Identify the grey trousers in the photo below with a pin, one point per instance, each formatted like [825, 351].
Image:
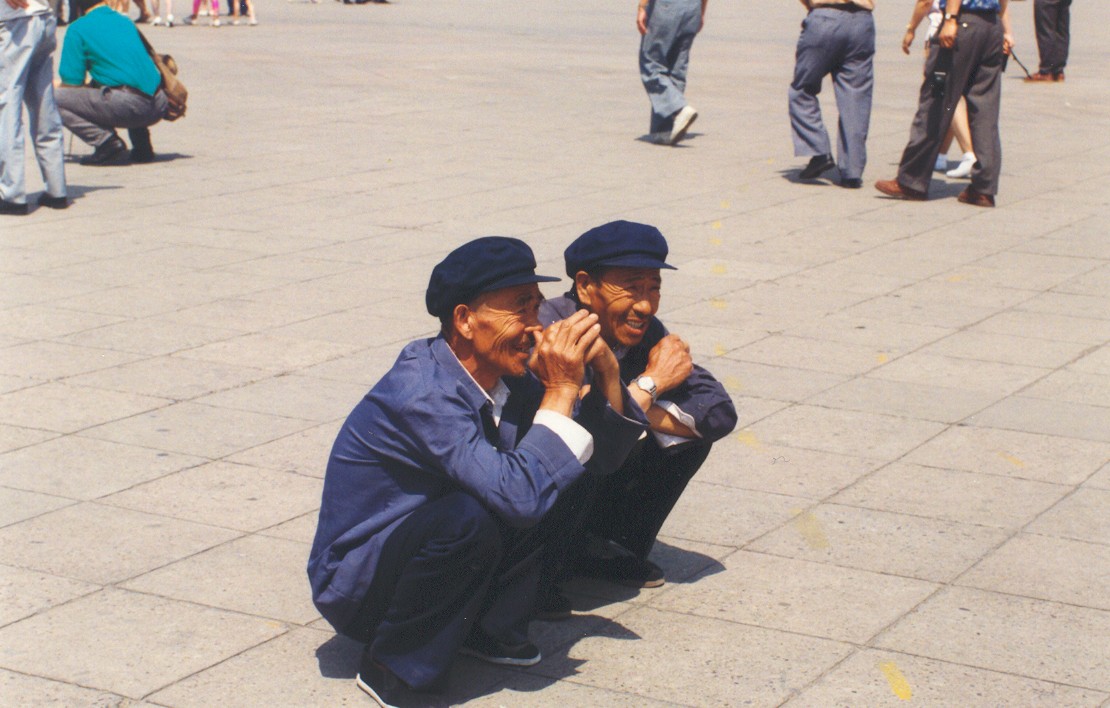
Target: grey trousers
[665, 56]
[27, 79]
[1052, 19]
[840, 43]
[93, 114]
[976, 74]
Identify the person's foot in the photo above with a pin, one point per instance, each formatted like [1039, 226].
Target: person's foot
[818, 165]
[974, 198]
[112, 151]
[623, 570]
[851, 182]
[963, 170]
[682, 122]
[554, 606]
[142, 151]
[382, 685]
[1044, 77]
[487, 648]
[157, 21]
[53, 202]
[169, 20]
[892, 188]
[941, 165]
[13, 209]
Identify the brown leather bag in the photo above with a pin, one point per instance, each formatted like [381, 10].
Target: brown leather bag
[176, 93]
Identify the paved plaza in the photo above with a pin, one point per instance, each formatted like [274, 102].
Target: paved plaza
[914, 509]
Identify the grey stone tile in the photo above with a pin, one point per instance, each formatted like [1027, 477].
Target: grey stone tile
[101, 544]
[172, 377]
[47, 322]
[1046, 326]
[23, 690]
[24, 592]
[266, 351]
[13, 437]
[798, 596]
[1032, 638]
[1014, 454]
[1082, 516]
[66, 409]
[1007, 349]
[1060, 418]
[17, 505]
[745, 463]
[1048, 568]
[775, 382]
[1072, 387]
[1101, 479]
[151, 336]
[268, 579]
[951, 495]
[808, 354]
[885, 678]
[224, 494]
[128, 643]
[895, 544]
[968, 374]
[302, 528]
[672, 657]
[910, 400]
[49, 360]
[84, 468]
[305, 452]
[844, 432]
[291, 396]
[193, 429]
[728, 516]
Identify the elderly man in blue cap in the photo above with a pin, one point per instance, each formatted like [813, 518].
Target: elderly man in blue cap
[616, 271]
[446, 480]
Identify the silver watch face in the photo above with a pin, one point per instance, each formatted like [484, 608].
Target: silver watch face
[647, 384]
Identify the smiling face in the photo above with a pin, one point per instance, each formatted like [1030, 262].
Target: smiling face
[498, 327]
[624, 300]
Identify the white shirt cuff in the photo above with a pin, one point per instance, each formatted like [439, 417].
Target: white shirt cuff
[666, 440]
[577, 438]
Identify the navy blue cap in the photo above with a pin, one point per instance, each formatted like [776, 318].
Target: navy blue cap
[618, 243]
[479, 266]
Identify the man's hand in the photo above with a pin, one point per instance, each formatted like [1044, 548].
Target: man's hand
[607, 374]
[559, 358]
[669, 363]
[641, 19]
[18, 4]
[907, 40]
[1007, 43]
[948, 33]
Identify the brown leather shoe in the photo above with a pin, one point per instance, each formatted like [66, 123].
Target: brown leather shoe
[1043, 77]
[970, 196]
[892, 188]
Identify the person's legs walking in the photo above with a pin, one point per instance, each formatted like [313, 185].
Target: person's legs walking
[16, 50]
[983, 97]
[45, 121]
[853, 81]
[813, 59]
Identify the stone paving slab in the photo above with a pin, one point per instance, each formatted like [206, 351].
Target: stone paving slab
[914, 506]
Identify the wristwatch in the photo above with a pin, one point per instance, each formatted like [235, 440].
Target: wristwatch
[647, 385]
[950, 16]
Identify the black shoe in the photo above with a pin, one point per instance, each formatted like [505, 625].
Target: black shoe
[112, 151]
[487, 648]
[851, 183]
[818, 165]
[623, 570]
[53, 202]
[383, 686]
[13, 209]
[554, 606]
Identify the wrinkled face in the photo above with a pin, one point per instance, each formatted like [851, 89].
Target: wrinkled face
[501, 323]
[624, 300]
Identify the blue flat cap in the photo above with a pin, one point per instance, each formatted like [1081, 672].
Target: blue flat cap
[479, 266]
[618, 243]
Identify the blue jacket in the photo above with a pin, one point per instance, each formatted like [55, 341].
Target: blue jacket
[700, 395]
[419, 434]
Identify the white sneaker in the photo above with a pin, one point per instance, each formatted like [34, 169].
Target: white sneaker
[682, 123]
[216, 22]
[156, 22]
[169, 20]
[941, 165]
[253, 22]
[963, 170]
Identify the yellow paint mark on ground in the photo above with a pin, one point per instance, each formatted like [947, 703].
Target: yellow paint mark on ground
[1015, 461]
[898, 683]
[733, 384]
[725, 204]
[748, 438]
[715, 225]
[958, 278]
[811, 530]
[718, 303]
[882, 358]
[719, 350]
[716, 241]
[719, 269]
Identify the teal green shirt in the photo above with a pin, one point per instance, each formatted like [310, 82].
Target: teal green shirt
[106, 45]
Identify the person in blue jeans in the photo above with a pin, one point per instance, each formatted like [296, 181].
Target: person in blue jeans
[668, 28]
[27, 46]
[838, 39]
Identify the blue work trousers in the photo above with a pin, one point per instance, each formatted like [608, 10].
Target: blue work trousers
[665, 56]
[840, 43]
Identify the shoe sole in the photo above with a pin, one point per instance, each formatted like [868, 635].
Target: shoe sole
[501, 660]
[371, 692]
[681, 132]
[901, 195]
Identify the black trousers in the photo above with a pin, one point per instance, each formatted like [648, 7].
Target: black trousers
[1052, 19]
[975, 74]
[631, 505]
[450, 564]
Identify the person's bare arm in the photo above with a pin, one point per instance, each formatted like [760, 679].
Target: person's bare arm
[1007, 28]
[920, 9]
[18, 4]
[949, 27]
